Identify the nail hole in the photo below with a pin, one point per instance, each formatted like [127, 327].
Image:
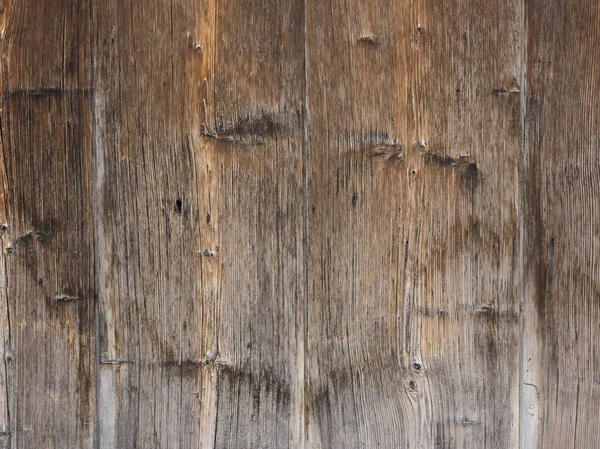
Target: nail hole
[178, 207]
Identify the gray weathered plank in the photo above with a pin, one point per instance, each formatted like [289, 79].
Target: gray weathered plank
[561, 392]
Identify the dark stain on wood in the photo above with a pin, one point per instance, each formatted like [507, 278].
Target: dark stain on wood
[28, 239]
[391, 152]
[267, 379]
[253, 127]
[370, 40]
[44, 91]
[464, 166]
[444, 160]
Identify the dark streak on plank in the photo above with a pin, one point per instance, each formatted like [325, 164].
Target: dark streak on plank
[43, 91]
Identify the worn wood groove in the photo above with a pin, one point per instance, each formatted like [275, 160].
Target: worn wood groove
[299, 224]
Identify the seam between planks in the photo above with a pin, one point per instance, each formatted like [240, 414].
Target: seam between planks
[305, 245]
[96, 184]
[521, 193]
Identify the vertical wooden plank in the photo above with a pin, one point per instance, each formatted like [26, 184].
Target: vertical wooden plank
[415, 129]
[562, 204]
[255, 128]
[46, 209]
[357, 86]
[156, 277]
[467, 85]
[199, 196]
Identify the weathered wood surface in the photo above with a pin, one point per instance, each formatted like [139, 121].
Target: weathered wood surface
[561, 315]
[153, 321]
[413, 230]
[199, 193]
[47, 226]
[299, 224]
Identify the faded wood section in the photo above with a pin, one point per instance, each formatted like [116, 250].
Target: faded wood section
[562, 215]
[414, 144]
[47, 227]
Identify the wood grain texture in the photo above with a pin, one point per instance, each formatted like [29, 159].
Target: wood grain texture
[155, 320]
[46, 210]
[299, 224]
[413, 266]
[562, 206]
[256, 130]
[198, 141]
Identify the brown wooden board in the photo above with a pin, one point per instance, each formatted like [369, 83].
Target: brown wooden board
[48, 383]
[415, 131]
[255, 127]
[315, 224]
[154, 320]
[198, 141]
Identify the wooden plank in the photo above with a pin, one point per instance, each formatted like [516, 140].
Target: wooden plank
[562, 204]
[415, 130]
[254, 126]
[47, 240]
[199, 194]
[156, 288]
